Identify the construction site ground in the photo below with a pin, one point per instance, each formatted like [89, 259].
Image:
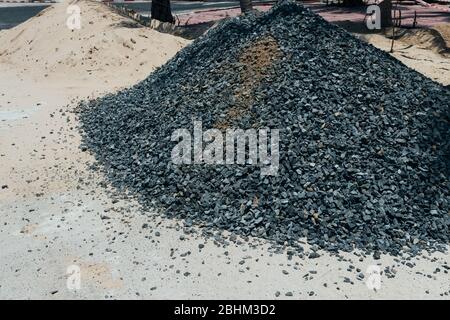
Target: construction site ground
[54, 214]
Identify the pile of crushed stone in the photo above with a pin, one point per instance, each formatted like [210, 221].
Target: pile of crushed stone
[363, 140]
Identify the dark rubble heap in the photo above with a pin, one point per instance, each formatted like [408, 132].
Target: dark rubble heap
[364, 140]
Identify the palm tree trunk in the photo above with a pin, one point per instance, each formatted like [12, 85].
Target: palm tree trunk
[246, 6]
[161, 11]
[352, 3]
[386, 13]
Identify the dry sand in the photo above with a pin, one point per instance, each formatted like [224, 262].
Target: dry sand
[54, 215]
[422, 57]
[109, 48]
[444, 31]
[436, 38]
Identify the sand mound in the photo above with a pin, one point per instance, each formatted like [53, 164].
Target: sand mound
[431, 64]
[436, 39]
[108, 47]
[444, 30]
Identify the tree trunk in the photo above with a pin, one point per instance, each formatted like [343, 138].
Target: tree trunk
[386, 13]
[161, 11]
[352, 3]
[246, 6]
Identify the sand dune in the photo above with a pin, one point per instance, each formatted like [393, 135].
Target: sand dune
[108, 48]
[436, 39]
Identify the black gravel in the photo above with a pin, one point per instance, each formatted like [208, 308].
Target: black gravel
[364, 154]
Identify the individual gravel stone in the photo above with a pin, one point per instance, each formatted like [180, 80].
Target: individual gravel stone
[314, 255]
[364, 140]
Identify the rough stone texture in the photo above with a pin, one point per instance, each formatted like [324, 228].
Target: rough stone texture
[364, 140]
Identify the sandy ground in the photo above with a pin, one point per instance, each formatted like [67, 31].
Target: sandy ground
[109, 47]
[55, 217]
[426, 61]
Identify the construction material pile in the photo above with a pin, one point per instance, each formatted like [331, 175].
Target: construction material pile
[107, 47]
[363, 139]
